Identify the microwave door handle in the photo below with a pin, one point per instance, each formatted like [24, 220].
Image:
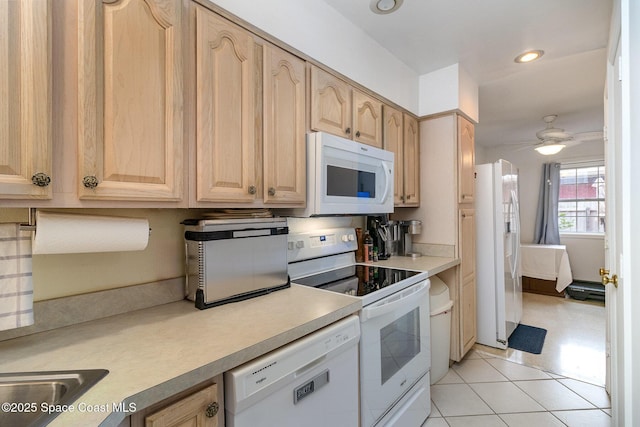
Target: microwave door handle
[387, 174]
[418, 292]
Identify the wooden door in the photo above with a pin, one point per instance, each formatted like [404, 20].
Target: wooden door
[25, 107]
[330, 104]
[130, 100]
[466, 161]
[199, 409]
[225, 112]
[467, 254]
[284, 142]
[393, 132]
[411, 162]
[367, 119]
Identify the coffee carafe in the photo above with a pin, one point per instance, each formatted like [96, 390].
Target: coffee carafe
[408, 229]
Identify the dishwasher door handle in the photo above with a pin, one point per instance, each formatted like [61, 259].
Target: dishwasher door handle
[308, 388]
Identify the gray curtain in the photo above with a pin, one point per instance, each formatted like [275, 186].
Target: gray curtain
[547, 218]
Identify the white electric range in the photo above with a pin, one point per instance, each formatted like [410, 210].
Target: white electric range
[395, 355]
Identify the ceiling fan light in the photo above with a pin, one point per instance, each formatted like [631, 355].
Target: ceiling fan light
[549, 149]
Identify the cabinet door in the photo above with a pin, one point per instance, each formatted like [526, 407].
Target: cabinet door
[225, 115]
[284, 150]
[411, 162]
[367, 119]
[467, 254]
[130, 100]
[394, 142]
[25, 107]
[199, 409]
[466, 161]
[330, 104]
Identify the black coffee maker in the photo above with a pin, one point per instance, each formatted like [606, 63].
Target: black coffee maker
[378, 227]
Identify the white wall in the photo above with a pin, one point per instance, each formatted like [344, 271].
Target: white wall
[316, 29]
[447, 89]
[586, 253]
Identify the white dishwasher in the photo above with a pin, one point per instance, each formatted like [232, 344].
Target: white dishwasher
[312, 382]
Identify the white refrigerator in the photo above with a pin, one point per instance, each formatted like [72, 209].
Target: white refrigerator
[499, 281]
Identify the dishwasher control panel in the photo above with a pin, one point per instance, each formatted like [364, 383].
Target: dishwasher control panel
[293, 360]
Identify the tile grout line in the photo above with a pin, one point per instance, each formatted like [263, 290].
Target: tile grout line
[549, 411]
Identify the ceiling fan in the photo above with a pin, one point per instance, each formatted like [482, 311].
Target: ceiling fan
[553, 140]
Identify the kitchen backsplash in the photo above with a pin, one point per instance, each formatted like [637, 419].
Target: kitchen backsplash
[58, 276]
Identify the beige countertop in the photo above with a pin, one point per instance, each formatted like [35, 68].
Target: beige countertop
[432, 265]
[154, 353]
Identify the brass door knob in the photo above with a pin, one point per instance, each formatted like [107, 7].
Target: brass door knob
[606, 279]
[614, 279]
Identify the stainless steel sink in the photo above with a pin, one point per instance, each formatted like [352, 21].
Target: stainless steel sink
[24, 395]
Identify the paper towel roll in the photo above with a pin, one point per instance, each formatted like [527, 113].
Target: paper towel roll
[60, 233]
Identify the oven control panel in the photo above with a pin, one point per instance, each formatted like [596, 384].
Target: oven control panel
[318, 243]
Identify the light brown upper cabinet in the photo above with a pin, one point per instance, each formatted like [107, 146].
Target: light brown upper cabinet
[25, 107]
[249, 119]
[130, 100]
[411, 161]
[340, 109]
[367, 119]
[284, 163]
[466, 161]
[225, 111]
[402, 138]
[330, 103]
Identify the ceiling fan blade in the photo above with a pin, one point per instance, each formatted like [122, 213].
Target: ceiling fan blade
[588, 136]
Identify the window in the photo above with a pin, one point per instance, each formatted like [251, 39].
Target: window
[581, 207]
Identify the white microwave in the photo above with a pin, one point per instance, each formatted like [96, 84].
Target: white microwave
[346, 178]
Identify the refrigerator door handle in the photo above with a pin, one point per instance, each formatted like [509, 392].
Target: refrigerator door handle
[515, 230]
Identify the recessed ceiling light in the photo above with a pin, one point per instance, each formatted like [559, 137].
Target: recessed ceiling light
[384, 6]
[529, 56]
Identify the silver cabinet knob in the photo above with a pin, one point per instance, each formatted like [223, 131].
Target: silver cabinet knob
[41, 179]
[212, 410]
[358, 133]
[347, 131]
[272, 191]
[252, 189]
[90, 182]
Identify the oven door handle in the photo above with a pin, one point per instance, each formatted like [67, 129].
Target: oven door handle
[389, 304]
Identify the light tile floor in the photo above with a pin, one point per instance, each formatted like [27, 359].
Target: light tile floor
[561, 386]
[575, 343]
[484, 390]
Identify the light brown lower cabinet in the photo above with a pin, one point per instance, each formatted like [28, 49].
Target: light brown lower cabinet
[199, 407]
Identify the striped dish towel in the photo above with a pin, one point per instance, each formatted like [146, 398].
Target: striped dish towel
[16, 284]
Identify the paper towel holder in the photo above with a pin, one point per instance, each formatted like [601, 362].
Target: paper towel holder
[31, 225]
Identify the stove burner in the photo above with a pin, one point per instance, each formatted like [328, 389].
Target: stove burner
[357, 280]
